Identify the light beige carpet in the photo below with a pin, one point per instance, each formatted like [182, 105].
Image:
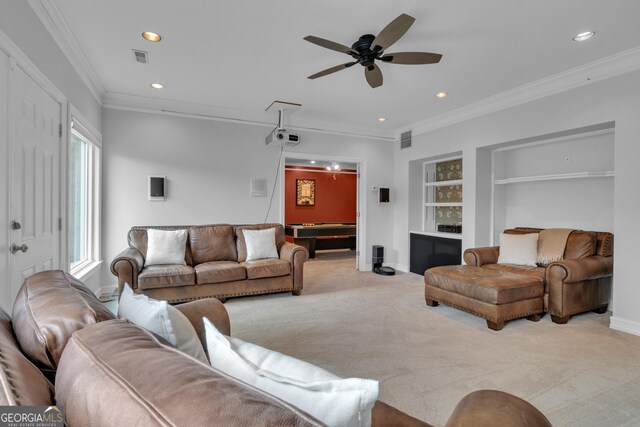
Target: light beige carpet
[361, 324]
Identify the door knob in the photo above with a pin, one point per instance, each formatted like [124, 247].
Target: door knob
[15, 248]
[15, 225]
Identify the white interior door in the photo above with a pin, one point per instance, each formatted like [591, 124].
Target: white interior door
[34, 180]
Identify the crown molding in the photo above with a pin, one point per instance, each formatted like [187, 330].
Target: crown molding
[120, 101]
[18, 58]
[602, 69]
[54, 22]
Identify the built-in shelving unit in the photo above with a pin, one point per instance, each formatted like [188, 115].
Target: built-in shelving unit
[554, 182]
[442, 195]
[435, 188]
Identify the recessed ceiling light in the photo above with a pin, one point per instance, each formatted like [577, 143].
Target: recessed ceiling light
[584, 36]
[313, 162]
[152, 37]
[156, 85]
[382, 119]
[441, 94]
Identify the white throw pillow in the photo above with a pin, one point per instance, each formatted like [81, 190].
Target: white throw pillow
[332, 400]
[521, 249]
[165, 247]
[162, 319]
[260, 243]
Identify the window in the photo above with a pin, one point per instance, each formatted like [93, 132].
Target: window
[83, 198]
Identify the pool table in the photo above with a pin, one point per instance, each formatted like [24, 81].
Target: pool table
[322, 235]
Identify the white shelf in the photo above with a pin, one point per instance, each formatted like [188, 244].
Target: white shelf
[443, 204]
[574, 175]
[457, 236]
[443, 183]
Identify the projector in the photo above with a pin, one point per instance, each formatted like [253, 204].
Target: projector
[280, 136]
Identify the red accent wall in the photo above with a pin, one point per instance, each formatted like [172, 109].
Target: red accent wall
[336, 197]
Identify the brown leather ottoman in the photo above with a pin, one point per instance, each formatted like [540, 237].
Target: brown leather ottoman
[497, 296]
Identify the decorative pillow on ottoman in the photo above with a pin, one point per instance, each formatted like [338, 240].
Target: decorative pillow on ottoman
[333, 400]
[162, 319]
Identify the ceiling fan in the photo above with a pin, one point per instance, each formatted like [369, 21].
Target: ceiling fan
[370, 48]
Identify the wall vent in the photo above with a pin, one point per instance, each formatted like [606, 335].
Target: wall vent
[258, 187]
[141, 56]
[405, 139]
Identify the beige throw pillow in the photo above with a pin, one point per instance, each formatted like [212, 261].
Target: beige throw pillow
[521, 249]
[165, 247]
[261, 244]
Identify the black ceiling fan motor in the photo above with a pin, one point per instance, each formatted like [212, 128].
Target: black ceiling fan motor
[363, 46]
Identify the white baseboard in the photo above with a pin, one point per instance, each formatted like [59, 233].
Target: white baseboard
[106, 290]
[624, 325]
[399, 267]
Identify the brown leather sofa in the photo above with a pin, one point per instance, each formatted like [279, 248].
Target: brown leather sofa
[500, 292]
[91, 354]
[216, 265]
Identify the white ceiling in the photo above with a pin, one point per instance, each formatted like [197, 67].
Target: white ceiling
[236, 57]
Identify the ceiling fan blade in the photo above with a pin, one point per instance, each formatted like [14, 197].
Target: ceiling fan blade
[331, 45]
[332, 70]
[373, 75]
[412, 58]
[392, 32]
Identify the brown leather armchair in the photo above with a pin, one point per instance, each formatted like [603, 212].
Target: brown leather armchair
[579, 283]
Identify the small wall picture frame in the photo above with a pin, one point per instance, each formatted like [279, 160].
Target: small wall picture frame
[157, 190]
[305, 192]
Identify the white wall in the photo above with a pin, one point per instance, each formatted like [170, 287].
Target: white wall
[616, 99]
[567, 204]
[208, 165]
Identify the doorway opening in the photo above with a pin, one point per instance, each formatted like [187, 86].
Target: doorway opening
[322, 205]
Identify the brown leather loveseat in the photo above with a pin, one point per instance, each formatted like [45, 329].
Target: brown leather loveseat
[58, 325]
[216, 265]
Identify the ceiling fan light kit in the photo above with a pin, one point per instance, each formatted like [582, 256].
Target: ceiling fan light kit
[370, 48]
